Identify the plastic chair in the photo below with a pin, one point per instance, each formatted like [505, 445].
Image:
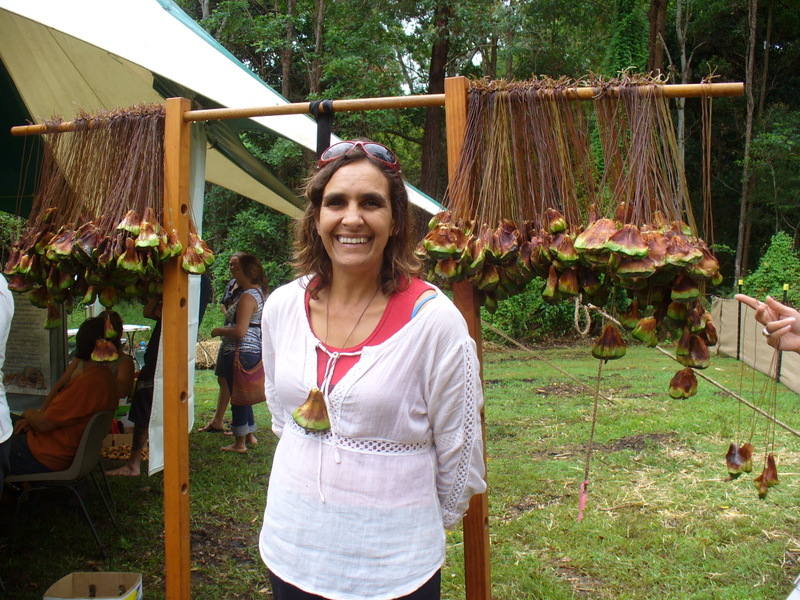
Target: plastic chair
[87, 459]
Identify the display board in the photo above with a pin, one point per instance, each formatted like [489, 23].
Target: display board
[27, 368]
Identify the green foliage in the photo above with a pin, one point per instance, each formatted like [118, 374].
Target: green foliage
[780, 265]
[232, 223]
[628, 48]
[527, 317]
[775, 182]
[10, 229]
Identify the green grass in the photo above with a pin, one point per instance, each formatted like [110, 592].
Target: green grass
[662, 520]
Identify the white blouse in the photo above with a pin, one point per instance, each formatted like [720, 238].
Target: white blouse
[359, 512]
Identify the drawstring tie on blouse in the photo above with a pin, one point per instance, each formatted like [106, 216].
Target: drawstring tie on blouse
[330, 366]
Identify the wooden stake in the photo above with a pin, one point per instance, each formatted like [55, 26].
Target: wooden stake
[175, 333]
[477, 568]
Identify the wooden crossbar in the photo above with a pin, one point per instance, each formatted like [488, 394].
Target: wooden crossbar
[690, 90]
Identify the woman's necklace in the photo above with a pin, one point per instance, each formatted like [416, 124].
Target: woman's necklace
[363, 312]
[312, 415]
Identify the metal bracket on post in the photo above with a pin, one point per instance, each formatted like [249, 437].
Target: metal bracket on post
[324, 119]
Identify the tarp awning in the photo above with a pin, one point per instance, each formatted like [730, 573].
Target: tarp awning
[63, 57]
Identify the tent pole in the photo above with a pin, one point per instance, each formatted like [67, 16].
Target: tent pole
[477, 567]
[174, 352]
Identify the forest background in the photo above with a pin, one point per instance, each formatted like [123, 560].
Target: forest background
[320, 49]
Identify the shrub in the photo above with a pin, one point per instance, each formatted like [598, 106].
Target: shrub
[526, 317]
[779, 265]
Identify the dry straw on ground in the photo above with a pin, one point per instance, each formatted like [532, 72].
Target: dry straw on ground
[206, 354]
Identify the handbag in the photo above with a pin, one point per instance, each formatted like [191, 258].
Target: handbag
[248, 384]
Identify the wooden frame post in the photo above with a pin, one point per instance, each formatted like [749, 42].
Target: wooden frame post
[477, 568]
[174, 353]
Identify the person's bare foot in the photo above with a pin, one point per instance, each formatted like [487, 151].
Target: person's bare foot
[234, 448]
[211, 428]
[125, 471]
[252, 439]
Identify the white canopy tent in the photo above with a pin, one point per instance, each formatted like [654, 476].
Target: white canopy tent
[65, 56]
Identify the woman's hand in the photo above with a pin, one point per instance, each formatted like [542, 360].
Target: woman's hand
[781, 323]
[21, 426]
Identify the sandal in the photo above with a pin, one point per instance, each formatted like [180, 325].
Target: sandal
[210, 429]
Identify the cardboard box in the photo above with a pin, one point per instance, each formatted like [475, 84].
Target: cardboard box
[96, 586]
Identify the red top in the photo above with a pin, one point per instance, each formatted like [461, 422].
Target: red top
[397, 313]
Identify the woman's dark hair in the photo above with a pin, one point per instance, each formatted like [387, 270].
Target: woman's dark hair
[253, 270]
[310, 256]
[89, 332]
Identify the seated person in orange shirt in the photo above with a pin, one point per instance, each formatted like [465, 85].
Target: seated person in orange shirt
[46, 439]
[122, 367]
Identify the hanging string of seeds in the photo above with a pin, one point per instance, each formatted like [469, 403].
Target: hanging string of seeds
[96, 228]
[530, 198]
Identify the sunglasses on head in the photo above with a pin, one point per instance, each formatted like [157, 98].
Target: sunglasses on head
[373, 149]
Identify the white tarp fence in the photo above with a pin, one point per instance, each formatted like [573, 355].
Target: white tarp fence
[740, 337]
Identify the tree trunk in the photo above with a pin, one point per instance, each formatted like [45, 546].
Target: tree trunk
[286, 53]
[434, 123]
[315, 77]
[490, 66]
[657, 16]
[509, 74]
[681, 26]
[743, 241]
[205, 9]
[765, 67]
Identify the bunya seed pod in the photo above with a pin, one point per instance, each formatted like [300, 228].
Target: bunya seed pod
[683, 384]
[645, 331]
[628, 241]
[739, 460]
[609, 345]
[312, 415]
[631, 317]
[104, 351]
[768, 477]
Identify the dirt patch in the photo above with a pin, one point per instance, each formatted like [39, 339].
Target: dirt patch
[558, 389]
[638, 442]
[583, 584]
[529, 504]
[219, 544]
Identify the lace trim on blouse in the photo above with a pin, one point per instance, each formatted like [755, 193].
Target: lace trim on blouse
[361, 445]
[468, 434]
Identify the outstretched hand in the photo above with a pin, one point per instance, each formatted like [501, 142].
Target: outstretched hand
[781, 323]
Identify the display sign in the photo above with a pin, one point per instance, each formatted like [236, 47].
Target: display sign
[27, 365]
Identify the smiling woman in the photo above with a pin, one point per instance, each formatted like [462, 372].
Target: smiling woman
[373, 386]
[355, 221]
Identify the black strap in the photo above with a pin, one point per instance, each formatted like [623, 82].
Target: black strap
[324, 119]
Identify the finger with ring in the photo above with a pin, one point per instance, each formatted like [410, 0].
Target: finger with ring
[765, 332]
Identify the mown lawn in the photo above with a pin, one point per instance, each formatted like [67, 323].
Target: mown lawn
[662, 518]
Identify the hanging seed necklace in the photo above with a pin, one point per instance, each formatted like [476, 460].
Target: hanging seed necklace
[363, 312]
[312, 415]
